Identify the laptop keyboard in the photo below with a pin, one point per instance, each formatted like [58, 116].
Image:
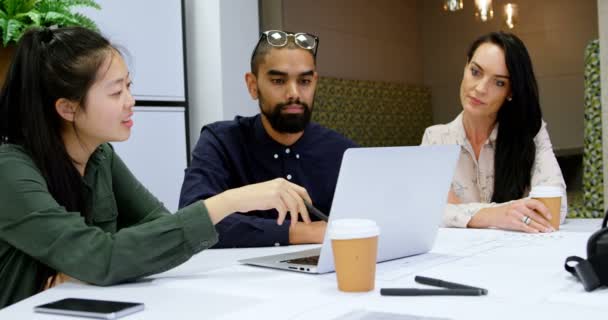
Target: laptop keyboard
[311, 261]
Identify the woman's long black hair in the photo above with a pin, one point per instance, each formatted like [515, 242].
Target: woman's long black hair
[48, 65]
[519, 120]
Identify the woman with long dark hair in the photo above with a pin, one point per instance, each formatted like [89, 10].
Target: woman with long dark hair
[69, 207]
[505, 146]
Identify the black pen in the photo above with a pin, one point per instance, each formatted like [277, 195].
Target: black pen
[430, 292]
[316, 212]
[445, 284]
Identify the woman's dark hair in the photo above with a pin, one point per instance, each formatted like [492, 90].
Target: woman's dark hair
[48, 65]
[519, 120]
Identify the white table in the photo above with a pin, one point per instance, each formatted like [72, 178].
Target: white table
[523, 273]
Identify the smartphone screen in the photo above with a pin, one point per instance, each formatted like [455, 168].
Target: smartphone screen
[102, 309]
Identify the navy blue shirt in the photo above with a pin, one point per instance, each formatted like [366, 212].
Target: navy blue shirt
[231, 154]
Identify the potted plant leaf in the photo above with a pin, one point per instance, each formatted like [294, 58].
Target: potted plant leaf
[17, 16]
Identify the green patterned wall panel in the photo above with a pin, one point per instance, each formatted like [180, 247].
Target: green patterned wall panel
[592, 205]
[374, 113]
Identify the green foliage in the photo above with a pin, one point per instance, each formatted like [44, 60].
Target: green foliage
[16, 16]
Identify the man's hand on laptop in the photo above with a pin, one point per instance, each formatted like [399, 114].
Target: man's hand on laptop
[279, 194]
[302, 233]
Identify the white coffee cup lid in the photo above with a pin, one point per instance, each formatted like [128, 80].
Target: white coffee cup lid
[545, 192]
[342, 229]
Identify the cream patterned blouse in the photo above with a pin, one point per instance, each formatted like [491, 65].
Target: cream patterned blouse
[473, 181]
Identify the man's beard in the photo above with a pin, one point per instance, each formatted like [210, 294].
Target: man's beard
[287, 122]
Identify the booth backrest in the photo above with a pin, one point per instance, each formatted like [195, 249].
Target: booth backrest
[374, 113]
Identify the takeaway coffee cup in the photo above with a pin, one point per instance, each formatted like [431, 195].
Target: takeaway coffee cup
[552, 198]
[354, 244]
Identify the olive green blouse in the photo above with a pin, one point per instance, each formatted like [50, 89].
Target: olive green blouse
[131, 234]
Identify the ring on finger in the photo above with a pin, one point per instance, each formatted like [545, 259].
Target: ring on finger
[526, 220]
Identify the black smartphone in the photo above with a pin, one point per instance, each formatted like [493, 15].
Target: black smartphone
[101, 309]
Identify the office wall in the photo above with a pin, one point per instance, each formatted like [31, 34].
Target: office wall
[361, 39]
[240, 32]
[555, 32]
[603, 30]
[220, 36]
[204, 65]
[271, 14]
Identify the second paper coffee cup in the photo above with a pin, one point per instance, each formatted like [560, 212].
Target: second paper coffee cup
[551, 197]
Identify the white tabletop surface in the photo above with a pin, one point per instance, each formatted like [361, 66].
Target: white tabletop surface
[523, 273]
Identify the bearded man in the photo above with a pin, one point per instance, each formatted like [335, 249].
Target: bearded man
[280, 143]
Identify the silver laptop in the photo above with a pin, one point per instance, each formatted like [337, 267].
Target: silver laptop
[404, 189]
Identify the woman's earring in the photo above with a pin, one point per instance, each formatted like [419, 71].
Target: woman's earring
[509, 99]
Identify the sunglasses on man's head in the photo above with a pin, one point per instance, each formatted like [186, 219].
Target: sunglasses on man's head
[277, 38]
